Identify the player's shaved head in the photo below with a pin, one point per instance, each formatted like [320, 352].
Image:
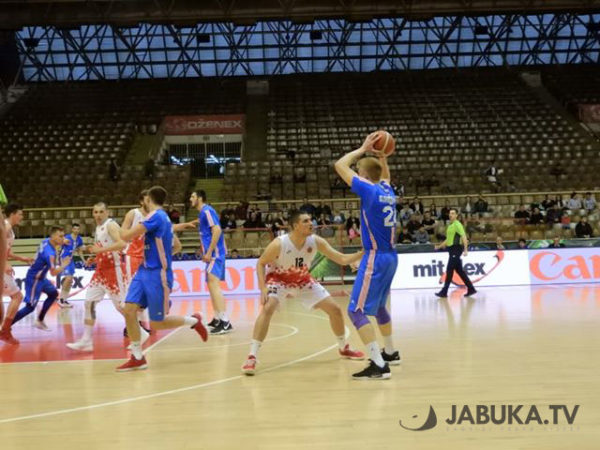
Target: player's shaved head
[100, 205]
[370, 168]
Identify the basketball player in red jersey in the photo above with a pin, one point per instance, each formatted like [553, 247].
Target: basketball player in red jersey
[110, 276]
[288, 258]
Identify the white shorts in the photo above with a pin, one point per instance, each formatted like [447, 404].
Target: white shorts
[310, 295]
[10, 286]
[97, 292]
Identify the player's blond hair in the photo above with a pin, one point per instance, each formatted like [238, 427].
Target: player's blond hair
[372, 167]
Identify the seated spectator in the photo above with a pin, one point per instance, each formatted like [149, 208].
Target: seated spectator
[325, 225]
[228, 223]
[467, 207]
[405, 214]
[234, 254]
[589, 203]
[421, 236]
[556, 243]
[416, 206]
[241, 210]
[565, 221]
[492, 174]
[399, 204]
[554, 214]
[445, 212]
[403, 238]
[559, 201]
[338, 218]
[429, 223]
[522, 216]
[536, 218]
[499, 243]
[547, 203]
[353, 227]
[268, 222]
[522, 244]
[413, 224]
[253, 222]
[574, 202]
[583, 229]
[480, 206]
[279, 226]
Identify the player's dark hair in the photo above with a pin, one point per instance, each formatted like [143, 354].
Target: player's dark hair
[142, 195]
[158, 195]
[202, 194]
[295, 218]
[453, 209]
[55, 228]
[12, 208]
[74, 224]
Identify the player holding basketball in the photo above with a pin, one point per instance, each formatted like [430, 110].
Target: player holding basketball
[152, 284]
[108, 279]
[213, 254]
[73, 244]
[14, 216]
[378, 265]
[46, 260]
[288, 259]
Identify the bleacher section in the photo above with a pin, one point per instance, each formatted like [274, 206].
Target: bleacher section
[449, 126]
[573, 85]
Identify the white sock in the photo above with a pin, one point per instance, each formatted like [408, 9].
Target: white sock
[341, 341]
[222, 316]
[136, 350]
[254, 346]
[375, 353]
[190, 321]
[64, 293]
[389, 344]
[87, 333]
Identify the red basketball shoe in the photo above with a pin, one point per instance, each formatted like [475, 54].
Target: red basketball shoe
[250, 366]
[133, 364]
[348, 353]
[200, 328]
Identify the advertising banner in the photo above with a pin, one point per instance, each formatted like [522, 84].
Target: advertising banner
[193, 125]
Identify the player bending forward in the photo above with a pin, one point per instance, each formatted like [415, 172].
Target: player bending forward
[288, 258]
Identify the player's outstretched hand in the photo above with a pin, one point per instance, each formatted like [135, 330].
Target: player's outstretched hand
[367, 145]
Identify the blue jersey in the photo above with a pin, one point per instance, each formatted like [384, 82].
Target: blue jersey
[208, 218]
[74, 244]
[44, 260]
[377, 214]
[158, 241]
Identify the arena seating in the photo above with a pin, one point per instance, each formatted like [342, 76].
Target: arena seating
[449, 126]
[574, 84]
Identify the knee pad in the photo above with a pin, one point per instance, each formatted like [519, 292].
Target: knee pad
[358, 318]
[90, 310]
[383, 316]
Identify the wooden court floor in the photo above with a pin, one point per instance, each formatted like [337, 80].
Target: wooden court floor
[509, 346]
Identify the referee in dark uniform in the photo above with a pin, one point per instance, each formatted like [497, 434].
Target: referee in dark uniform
[457, 244]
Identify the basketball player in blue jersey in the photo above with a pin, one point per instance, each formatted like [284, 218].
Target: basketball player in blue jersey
[378, 265]
[152, 283]
[213, 254]
[36, 283]
[73, 244]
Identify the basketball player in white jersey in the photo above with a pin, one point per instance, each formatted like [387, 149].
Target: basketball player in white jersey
[287, 260]
[14, 216]
[109, 278]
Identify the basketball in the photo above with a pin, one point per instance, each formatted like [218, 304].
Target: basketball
[385, 142]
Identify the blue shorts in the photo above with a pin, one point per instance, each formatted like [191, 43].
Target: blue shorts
[68, 272]
[35, 288]
[373, 281]
[217, 267]
[149, 290]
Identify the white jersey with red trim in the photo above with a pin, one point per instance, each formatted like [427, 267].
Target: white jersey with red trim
[110, 267]
[290, 269]
[136, 246]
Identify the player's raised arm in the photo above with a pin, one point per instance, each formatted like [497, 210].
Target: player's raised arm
[269, 255]
[385, 168]
[343, 165]
[343, 259]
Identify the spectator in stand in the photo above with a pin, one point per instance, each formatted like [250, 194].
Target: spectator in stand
[279, 225]
[253, 222]
[429, 223]
[403, 238]
[413, 225]
[467, 208]
[417, 206]
[547, 203]
[536, 217]
[583, 229]
[323, 209]
[522, 216]
[325, 225]
[113, 170]
[492, 174]
[433, 210]
[445, 212]
[405, 214]
[228, 222]
[499, 243]
[174, 214]
[522, 244]
[556, 243]
[589, 203]
[553, 215]
[234, 254]
[308, 208]
[421, 236]
[574, 203]
[559, 201]
[241, 210]
[481, 206]
[268, 223]
[338, 218]
[256, 210]
[565, 221]
[353, 227]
